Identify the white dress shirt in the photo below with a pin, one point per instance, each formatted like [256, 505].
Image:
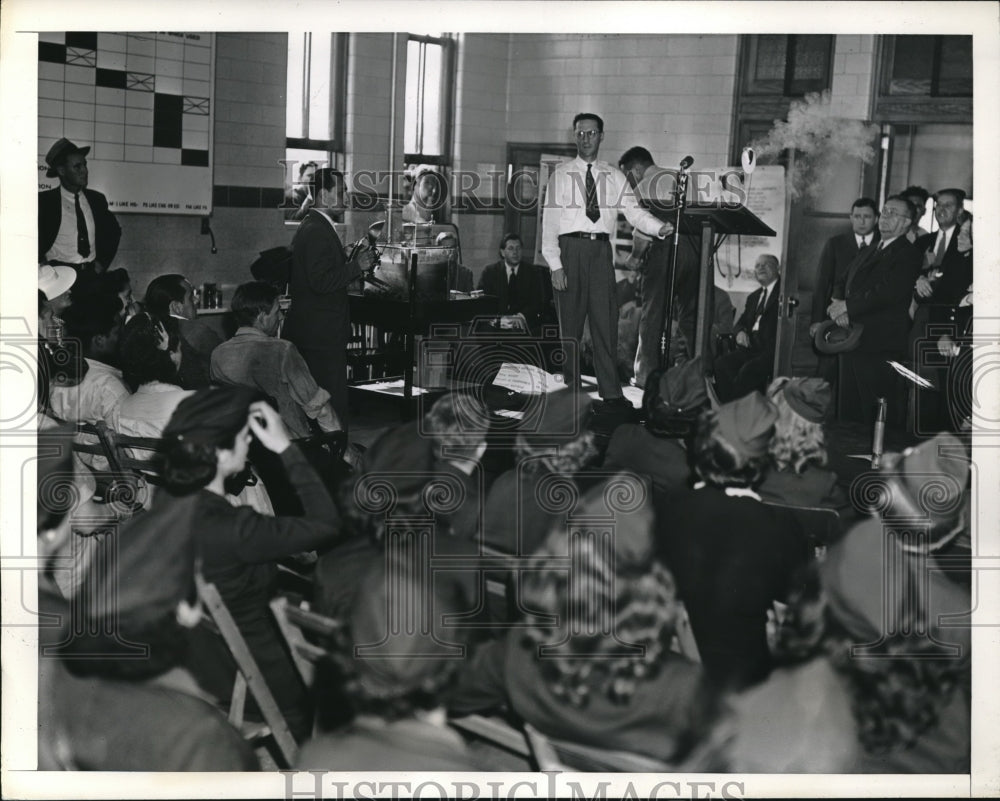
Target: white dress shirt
[65, 246]
[863, 241]
[565, 205]
[762, 304]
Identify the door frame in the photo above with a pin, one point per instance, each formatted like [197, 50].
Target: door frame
[520, 154]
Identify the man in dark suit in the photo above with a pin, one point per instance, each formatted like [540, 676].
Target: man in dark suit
[318, 320]
[749, 367]
[876, 293]
[520, 286]
[838, 253]
[75, 226]
[943, 282]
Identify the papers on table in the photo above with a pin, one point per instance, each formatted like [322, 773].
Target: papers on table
[527, 379]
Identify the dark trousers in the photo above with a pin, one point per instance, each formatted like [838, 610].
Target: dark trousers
[655, 286]
[590, 273]
[866, 377]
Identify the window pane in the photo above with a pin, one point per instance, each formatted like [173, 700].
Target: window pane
[433, 82]
[293, 86]
[912, 65]
[956, 66]
[410, 143]
[771, 54]
[812, 58]
[319, 86]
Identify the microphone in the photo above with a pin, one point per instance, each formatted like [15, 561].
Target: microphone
[686, 162]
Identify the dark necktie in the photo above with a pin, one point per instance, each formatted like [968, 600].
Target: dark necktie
[593, 212]
[511, 290]
[762, 304]
[939, 251]
[82, 240]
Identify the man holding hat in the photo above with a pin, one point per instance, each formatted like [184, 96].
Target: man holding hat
[875, 292]
[75, 226]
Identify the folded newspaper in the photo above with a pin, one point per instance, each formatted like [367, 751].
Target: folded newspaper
[527, 379]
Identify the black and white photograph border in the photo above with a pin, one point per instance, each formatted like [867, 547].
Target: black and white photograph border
[23, 19]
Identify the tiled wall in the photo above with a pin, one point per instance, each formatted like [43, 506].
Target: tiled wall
[671, 93]
[249, 141]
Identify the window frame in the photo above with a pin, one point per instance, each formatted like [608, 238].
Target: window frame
[750, 87]
[338, 102]
[448, 81]
[912, 109]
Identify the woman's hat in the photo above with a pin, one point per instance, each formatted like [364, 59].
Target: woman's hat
[54, 280]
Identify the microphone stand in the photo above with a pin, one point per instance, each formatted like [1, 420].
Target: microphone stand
[680, 201]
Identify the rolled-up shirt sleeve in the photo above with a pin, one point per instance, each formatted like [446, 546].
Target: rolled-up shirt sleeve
[637, 216]
[552, 209]
[303, 388]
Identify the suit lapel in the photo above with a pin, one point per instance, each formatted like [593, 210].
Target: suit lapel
[865, 258]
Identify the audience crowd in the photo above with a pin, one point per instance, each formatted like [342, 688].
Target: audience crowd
[714, 597]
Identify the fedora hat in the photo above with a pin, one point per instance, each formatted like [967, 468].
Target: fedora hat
[831, 338]
[57, 155]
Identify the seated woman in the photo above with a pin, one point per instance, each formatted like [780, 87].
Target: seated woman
[99, 712]
[798, 449]
[604, 675]
[150, 356]
[871, 682]
[523, 503]
[395, 685]
[428, 195]
[206, 442]
[428, 469]
[732, 555]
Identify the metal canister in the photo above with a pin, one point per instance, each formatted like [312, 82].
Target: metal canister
[878, 436]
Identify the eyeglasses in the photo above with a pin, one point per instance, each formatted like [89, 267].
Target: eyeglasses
[587, 134]
[893, 213]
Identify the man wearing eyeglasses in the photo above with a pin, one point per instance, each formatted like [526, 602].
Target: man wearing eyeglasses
[875, 291]
[947, 273]
[582, 201]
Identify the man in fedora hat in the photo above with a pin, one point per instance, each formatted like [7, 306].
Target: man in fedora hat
[875, 291]
[75, 226]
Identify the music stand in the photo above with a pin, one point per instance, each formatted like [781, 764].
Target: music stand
[713, 222]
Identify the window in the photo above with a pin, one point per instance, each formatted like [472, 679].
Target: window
[787, 65]
[927, 66]
[316, 84]
[429, 98]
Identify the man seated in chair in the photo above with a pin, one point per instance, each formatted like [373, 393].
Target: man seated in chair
[748, 368]
[255, 357]
[519, 285]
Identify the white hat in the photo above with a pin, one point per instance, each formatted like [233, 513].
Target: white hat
[53, 281]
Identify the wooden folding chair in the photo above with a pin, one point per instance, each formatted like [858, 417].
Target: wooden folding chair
[821, 524]
[296, 625]
[248, 676]
[563, 755]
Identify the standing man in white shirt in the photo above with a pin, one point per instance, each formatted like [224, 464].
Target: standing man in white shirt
[75, 226]
[582, 200]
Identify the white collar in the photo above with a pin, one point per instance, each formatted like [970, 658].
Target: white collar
[733, 492]
[67, 194]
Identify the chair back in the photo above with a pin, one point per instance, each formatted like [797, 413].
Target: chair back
[563, 755]
[304, 631]
[821, 524]
[248, 677]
